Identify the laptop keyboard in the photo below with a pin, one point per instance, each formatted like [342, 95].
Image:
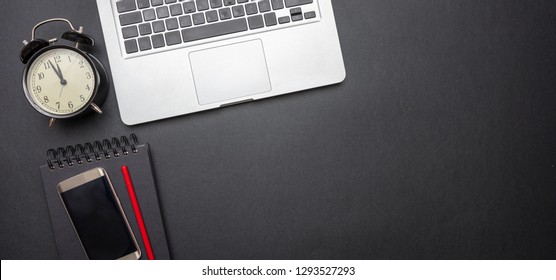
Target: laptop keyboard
[149, 25]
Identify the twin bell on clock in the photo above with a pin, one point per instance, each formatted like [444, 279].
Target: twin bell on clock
[63, 81]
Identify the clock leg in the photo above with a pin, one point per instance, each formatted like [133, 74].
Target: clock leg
[51, 122]
[96, 108]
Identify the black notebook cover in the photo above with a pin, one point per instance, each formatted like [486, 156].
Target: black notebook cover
[110, 155]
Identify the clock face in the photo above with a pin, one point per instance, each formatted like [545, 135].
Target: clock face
[60, 81]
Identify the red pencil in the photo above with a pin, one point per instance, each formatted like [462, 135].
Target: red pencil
[137, 210]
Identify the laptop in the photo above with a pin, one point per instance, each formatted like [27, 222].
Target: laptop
[175, 57]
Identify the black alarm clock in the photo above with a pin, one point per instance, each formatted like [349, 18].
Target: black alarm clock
[63, 81]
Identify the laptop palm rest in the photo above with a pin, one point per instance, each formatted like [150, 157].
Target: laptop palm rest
[230, 72]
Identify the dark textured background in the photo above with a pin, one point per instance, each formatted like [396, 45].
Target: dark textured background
[441, 143]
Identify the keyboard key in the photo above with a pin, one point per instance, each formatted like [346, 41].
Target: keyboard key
[295, 11]
[145, 29]
[142, 4]
[144, 43]
[130, 32]
[242, 1]
[213, 30]
[202, 5]
[158, 26]
[156, 2]
[311, 14]
[170, 1]
[171, 24]
[130, 18]
[297, 17]
[215, 3]
[238, 11]
[277, 4]
[131, 46]
[149, 15]
[293, 3]
[175, 10]
[212, 16]
[256, 22]
[264, 6]
[270, 19]
[198, 18]
[251, 8]
[225, 13]
[229, 2]
[185, 21]
[158, 41]
[283, 20]
[173, 38]
[189, 7]
[162, 12]
[125, 6]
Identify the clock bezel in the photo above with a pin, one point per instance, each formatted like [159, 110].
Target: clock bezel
[50, 114]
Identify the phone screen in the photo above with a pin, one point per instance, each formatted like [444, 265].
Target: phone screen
[98, 220]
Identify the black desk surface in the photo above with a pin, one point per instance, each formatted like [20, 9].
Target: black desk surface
[441, 143]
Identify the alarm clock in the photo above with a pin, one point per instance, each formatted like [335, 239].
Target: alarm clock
[63, 81]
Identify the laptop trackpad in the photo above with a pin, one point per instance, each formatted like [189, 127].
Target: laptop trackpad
[230, 72]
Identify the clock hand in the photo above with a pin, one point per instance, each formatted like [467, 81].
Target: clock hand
[60, 95]
[53, 68]
[62, 80]
[59, 74]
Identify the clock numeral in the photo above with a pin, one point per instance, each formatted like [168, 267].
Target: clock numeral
[57, 59]
[46, 66]
[81, 64]
[46, 99]
[58, 104]
[38, 89]
[41, 75]
[82, 98]
[88, 75]
[88, 88]
[70, 105]
[69, 58]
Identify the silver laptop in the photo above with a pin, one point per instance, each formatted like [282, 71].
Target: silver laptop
[175, 57]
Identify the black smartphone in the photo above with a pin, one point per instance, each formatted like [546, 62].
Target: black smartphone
[97, 216]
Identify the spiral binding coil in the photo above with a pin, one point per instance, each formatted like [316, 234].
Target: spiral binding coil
[90, 152]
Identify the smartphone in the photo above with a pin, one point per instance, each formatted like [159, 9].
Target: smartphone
[97, 216]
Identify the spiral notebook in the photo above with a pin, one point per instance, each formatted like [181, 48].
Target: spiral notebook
[110, 154]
